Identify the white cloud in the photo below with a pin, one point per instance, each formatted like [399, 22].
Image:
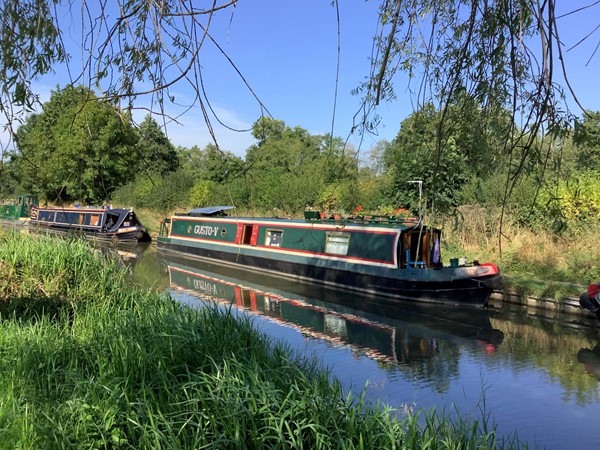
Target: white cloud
[192, 129]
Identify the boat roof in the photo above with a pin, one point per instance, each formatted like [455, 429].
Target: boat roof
[210, 211]
[119, 210]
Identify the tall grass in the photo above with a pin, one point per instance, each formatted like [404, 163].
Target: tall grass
[88, 361]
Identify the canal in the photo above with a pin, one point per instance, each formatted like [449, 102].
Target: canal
[530, 375]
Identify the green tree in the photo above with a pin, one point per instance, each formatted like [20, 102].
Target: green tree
[211, 163]
[447, 149]
[412, 155]
[77, 148]
[289, 168]
[155, 151]
[282, 172]
[9, 185]
[219, 176]
[587, 139]
[374, 179]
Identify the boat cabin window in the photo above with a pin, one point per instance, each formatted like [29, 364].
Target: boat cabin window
[89, 219]
[95, 219]
[112, 220]
[337, 243]
[67, 217]
[274, 238]
[47, 216]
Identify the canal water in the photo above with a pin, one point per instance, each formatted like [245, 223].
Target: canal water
[536, 377]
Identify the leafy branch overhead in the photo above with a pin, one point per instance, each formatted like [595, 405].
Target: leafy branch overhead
[505, 55]
[128, 49]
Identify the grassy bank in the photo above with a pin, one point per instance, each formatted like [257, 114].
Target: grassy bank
[87, 361]
[539, 263]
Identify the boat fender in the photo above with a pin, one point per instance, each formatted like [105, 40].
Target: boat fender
[593, 291]
[590, 299]
[491, 268]
[591, 304]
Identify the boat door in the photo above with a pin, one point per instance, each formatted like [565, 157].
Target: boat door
[411, 249]
[247, 234]
[420, 247]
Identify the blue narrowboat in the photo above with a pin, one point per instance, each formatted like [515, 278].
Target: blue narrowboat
[116, 224]
[377, 255]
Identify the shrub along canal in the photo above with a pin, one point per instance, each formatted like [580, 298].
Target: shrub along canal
[536, 376]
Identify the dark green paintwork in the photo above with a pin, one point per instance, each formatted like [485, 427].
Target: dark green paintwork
[297, 235]
[19, 209]
[188, 228]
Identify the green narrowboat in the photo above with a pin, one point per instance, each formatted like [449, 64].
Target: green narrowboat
[378, 255]
[19, 209]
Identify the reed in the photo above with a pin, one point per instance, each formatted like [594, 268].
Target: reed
[88, 361]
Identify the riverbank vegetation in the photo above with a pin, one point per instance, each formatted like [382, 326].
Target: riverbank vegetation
[89, 361]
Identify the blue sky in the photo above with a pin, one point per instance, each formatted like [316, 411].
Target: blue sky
[287, 51]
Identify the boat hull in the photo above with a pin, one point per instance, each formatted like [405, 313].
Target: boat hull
[135, 235]
[442, 285]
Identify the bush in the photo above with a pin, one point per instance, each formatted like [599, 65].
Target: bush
[160, 193]
[235, 193]
[576, 201]
[200, 193]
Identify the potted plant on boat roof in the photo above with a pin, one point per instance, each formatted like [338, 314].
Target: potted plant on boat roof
[392, 214]
[402, 213]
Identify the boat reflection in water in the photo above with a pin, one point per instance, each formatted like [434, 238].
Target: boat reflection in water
[590, 358]
[398, 332]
